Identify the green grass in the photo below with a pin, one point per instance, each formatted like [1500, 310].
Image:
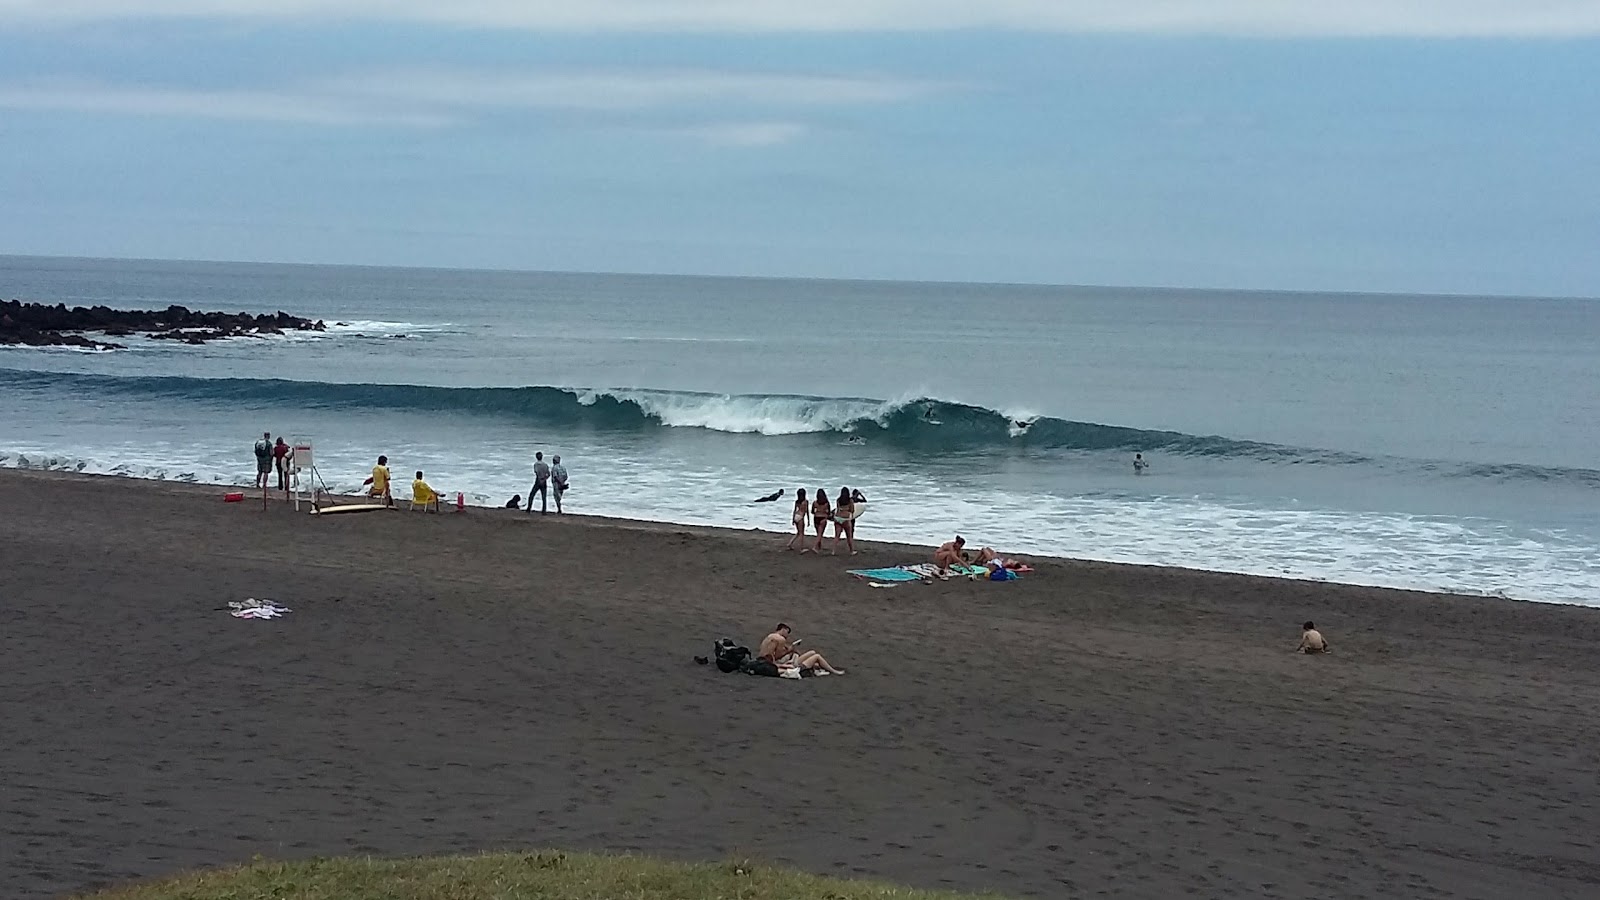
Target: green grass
[512, 876]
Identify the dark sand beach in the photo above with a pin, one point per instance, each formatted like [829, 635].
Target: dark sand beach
[469, 682]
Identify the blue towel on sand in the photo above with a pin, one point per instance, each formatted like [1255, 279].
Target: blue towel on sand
[886, 574]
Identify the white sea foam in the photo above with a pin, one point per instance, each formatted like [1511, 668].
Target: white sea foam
[743, 414]
[1432, 553]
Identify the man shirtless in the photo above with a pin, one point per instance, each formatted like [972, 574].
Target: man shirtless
[1311, 640]
[949, 554]
[777, 649]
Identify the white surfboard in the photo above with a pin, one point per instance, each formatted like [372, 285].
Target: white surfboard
[348, 508]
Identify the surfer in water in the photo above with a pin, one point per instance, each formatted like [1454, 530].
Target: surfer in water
[1139, 464]
[855, 439]
[927, 414]
[770, 497]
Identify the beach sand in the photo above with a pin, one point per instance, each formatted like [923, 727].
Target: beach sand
[483, 681]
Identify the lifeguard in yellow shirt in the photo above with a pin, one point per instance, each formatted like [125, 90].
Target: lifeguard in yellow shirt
[423, 495]
[379, 482]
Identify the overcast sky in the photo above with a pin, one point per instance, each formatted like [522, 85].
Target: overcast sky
[1377, 145]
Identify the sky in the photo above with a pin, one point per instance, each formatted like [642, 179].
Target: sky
[1440, 146]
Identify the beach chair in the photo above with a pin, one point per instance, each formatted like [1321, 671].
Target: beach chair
[423, 497]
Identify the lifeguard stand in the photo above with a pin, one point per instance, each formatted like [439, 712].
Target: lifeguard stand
[305, 482]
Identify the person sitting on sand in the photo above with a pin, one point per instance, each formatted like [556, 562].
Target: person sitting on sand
[949, 554]
[423, 495]
[1311, 640]
[379, 482]
[515, 502]
[777, 649]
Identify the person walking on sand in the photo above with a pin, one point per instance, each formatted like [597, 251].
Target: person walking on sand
[844, 514]
[263, 450]
[280, 462]
[821, 515]
[801, 511]
[541, 484]
[777, 649]
[558, 480]
[1311, 640]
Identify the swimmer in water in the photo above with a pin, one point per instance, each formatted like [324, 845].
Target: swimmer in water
[855, 439]
[1139, 464]
[1024, 425]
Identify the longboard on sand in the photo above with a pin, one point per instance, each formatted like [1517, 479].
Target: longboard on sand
[348, 508]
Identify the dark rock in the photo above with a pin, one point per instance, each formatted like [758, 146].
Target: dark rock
[37, 324]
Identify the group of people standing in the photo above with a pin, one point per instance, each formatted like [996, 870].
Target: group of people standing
[272, 456]
[549, 481]
[819, 512]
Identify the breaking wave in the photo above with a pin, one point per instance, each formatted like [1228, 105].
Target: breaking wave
[914, 425]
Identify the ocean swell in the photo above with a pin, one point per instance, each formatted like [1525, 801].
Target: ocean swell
[911, 425]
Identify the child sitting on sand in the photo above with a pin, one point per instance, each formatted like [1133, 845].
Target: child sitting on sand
[1311, 640]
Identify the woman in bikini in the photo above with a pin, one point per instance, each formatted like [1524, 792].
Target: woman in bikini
[844, 514]
[800, 513]
[821, 515]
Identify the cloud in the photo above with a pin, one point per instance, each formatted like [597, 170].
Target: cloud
[744, 134]
[1426, 18]
[671, 102]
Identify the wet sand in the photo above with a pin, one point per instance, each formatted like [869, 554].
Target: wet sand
[484, 681]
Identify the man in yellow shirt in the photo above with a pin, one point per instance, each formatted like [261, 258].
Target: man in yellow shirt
[423, 495]
[380, 481]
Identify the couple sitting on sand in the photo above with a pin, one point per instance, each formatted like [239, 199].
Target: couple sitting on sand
[779, 650]
[953, 553]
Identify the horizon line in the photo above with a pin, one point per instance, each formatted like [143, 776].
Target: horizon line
[1195, 289]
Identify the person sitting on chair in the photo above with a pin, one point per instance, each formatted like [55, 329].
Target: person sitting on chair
[378, 484]
[423, 495]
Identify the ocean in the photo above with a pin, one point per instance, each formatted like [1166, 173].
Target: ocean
[1435, 443]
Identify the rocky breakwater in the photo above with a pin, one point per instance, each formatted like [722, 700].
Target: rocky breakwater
[40, 325]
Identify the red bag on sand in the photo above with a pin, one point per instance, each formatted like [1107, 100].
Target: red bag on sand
[235, 497]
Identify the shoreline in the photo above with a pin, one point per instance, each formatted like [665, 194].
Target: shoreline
[494, 681]
[922, 552]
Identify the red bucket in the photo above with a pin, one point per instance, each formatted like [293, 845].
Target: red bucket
[235, 497]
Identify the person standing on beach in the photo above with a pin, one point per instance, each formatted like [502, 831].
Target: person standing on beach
[541, 484]
[558, 479]
[280, 462]
[801, 511]
[821, 515]
[263, 459]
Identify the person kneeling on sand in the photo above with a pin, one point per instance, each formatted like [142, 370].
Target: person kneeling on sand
[949, 554]
[777, 649]
[1311, 640]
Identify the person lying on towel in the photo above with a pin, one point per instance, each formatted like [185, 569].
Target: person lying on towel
[777, 649]
[987, 557]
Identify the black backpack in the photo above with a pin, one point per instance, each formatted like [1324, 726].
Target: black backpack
[729, 656]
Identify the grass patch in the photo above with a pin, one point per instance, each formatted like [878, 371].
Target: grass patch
[512, 876]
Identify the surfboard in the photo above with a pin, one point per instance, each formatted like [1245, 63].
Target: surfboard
[352, 507]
